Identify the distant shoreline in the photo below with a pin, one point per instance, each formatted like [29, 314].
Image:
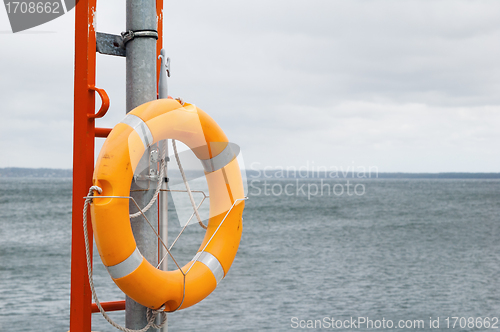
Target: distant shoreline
[18, 172]
[280, 174]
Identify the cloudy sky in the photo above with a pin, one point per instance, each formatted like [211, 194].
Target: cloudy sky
[410, 86]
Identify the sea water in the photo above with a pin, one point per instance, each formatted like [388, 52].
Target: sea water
[394, 250]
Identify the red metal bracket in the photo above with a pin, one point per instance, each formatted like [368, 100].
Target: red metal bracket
[102, 132]
[109, 306]
[105, 103]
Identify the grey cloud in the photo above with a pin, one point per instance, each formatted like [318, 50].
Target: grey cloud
[406, 86]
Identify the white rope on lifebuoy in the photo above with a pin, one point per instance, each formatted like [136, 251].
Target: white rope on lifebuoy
[151, 314]
[191, 198]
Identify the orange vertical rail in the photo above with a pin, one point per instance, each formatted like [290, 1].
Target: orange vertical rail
[159, 42]
[83, 160]
[84, 134]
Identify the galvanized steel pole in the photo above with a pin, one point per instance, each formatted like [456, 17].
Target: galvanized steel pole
[141, 88]
[141, 53]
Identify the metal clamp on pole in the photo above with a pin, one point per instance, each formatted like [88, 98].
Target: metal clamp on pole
[129, 35]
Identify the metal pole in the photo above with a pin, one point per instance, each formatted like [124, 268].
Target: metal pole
[141, 88]
[141, 54]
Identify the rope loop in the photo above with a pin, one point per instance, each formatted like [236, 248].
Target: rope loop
[151, 314]
[91, 192]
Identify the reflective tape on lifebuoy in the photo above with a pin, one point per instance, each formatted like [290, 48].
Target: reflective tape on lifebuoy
[135, 276]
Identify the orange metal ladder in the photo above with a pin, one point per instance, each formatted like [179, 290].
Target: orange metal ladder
[84, 134]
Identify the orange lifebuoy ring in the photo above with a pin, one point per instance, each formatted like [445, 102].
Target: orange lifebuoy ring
[135, 276]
